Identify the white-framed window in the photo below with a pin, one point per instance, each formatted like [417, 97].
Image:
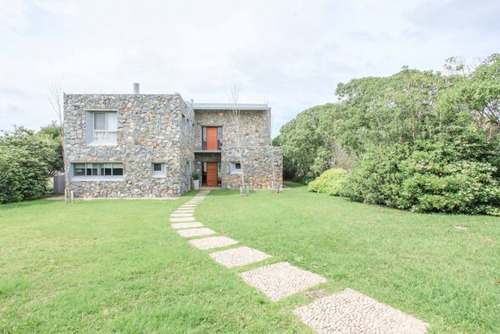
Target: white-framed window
[98, 171]
[104, 126]
[159, 169]
[235, 167]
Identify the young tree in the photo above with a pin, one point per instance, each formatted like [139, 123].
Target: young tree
[236, 112]
[55, 99]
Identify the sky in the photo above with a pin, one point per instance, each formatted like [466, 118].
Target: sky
[290, 53]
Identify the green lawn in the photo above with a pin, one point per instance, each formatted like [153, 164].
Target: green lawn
[116, 265]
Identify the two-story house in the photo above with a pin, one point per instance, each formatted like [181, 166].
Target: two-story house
[149, 145]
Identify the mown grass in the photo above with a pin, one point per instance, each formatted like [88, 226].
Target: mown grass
[418, 263]
[118, 266]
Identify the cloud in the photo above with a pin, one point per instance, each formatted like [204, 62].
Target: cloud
[292, 52]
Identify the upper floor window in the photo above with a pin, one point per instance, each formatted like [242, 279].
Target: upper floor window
[105, 126]
[211, 138]
[101, 127]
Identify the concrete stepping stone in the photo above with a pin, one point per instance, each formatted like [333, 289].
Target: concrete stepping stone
[195, 232]
[186, 225]
[352, 312]
[240, 256]
[181, 215]
[182, 219]
[281, 280]
[212, 242]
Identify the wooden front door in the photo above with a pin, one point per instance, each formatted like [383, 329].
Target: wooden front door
[212, 171]
[212, 139]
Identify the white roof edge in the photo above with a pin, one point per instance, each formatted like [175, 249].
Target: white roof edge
[229, 106]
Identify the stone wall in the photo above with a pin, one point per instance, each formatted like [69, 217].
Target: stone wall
[261, 166]
[186, 146]
[149, 130]
[254, 127]
[257, 153]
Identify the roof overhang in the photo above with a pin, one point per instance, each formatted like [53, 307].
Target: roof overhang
[230, 106]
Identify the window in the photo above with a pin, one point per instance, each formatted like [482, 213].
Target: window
[235, 168]
[98, 170]
[159, 169]
[104, 126]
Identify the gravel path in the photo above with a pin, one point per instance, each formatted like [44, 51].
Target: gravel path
[212, 242]
[281, 280]
[352, 312]
[240, 256]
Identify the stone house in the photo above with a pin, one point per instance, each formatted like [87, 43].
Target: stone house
[149, 145]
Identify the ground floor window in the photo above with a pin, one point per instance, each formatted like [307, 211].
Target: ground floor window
[159, 169]
[98, 170]
[235, 168]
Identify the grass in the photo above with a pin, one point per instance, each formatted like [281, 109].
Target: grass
[117, 265]
[418, 263]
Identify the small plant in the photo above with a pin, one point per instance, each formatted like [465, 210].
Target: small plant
[196, 176]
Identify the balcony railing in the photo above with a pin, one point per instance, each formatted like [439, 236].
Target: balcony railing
[104, 135]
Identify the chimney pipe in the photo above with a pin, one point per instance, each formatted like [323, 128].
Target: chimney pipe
[136, 88]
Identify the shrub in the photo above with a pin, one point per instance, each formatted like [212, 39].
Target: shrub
[24, 168]
[430, 179]
[330, 182]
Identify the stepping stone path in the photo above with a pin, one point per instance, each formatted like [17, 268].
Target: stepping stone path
[183, 219]
[240, 256]
[212, 242]
[347, 311]
[352, 312]
[186, 225]
[281, 280]
[195, 232]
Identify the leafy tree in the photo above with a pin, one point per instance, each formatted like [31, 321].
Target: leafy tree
[425, 141]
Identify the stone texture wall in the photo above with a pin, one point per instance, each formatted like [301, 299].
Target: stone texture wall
[186, 146]
[149, 130]
[257, 153]
[261, 166]
[254, 127]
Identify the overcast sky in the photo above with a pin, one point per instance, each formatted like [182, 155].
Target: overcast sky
[292, 53]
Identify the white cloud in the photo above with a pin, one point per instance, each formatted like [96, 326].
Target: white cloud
[292, 52]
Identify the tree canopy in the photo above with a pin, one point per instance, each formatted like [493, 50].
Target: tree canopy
[425, 141]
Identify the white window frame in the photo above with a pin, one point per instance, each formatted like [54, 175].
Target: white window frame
[100, 174]
[235, 170]
[110, 136]
[161, 173]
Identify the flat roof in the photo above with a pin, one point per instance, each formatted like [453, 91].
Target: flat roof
[229, 106]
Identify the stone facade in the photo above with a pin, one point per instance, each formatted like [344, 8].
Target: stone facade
[261, 163]
[150, 129]
[163, 129]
